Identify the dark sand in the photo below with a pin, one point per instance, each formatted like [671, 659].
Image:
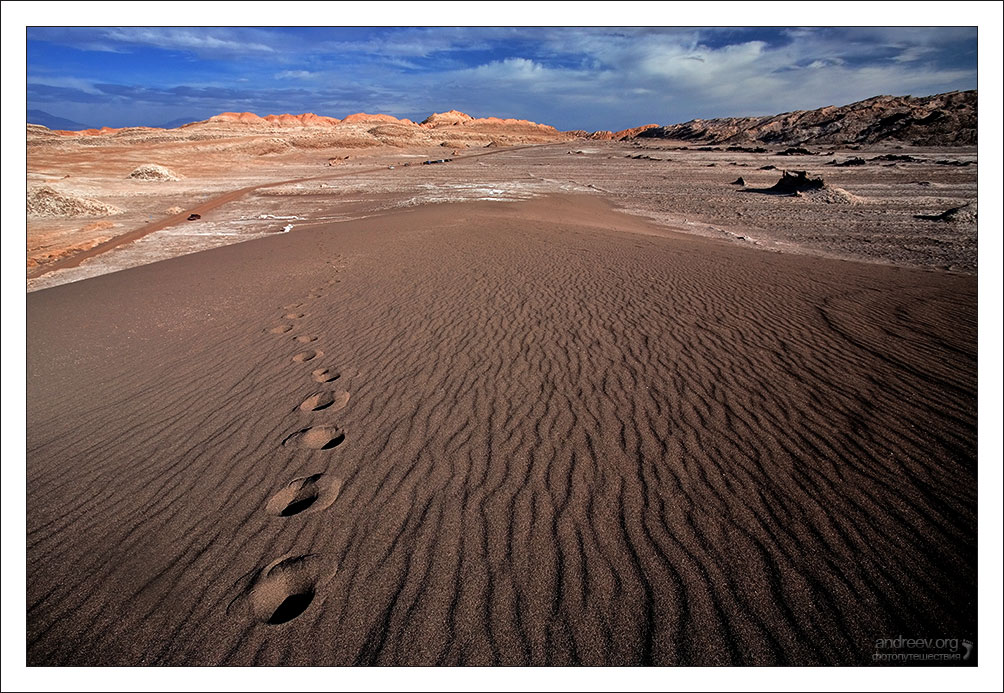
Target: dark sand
[551, 441]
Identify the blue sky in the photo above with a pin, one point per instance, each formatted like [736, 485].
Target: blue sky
[572, 78]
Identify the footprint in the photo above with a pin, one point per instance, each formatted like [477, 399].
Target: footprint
[322, 400]
[317, 402]
[325, 375]
[341, 399]
[307, 494]
[316, 438]
[281, 329]
[284, 589]
[294, 316]
[305, 356]
[306, 338]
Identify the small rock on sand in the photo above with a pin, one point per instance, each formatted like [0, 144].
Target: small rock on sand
[966, 214]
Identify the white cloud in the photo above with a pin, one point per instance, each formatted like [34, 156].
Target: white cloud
[201, 41]
[914, 53]
[510, 69]
[570, 77]
[186, 39]
[79, 83]
[296, 74]
[623, 77]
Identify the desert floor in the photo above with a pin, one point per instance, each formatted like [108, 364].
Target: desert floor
[683, 188]
[536, 432]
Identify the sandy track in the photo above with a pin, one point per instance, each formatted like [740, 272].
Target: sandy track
[562, 443]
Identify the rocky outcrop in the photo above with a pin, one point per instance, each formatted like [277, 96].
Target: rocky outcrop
[458, 130]
[796, 181]
[374, 118]
[941, 120]
[153, 172]
[279, 133]
[966, 214]
[609, 135]
[230, 117]
[633, 132]
[40, 132]
[813, 189]
[301, 120]
[448, 119]
[45, 201]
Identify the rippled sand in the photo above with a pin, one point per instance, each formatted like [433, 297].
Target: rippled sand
[540, 432]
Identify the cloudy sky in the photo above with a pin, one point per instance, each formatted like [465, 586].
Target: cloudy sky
[574, 78]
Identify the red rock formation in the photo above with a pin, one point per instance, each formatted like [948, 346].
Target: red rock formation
[91, 132]
[492, 122]
[458, 130]
[450, 118]
[301, 120]
[633, 132]
[372, 118]
[231, 117]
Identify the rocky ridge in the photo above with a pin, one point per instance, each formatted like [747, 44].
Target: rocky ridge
[941, 120]
[948, 119]
[282, 132]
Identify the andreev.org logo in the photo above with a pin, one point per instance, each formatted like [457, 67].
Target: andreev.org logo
[902, 649]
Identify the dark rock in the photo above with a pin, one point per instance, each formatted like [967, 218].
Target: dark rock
[856, 161]
[966, 214]
[796, 182]
[895, 157]
[749, 150]
[796, 151]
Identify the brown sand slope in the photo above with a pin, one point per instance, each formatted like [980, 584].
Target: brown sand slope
[549, 441]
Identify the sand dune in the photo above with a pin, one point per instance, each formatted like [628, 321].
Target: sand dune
[531, 436]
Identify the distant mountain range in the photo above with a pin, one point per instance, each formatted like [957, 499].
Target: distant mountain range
[54, 122]
[271, 134]
[948, 119]
[178, 122]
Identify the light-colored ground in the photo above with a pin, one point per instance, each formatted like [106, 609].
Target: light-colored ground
[680, 188]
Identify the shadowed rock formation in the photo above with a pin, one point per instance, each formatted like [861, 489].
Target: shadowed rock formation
[796, 181]
[966, 214]
[941, 120]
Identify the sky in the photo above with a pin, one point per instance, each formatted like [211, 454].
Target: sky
[588, 78]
